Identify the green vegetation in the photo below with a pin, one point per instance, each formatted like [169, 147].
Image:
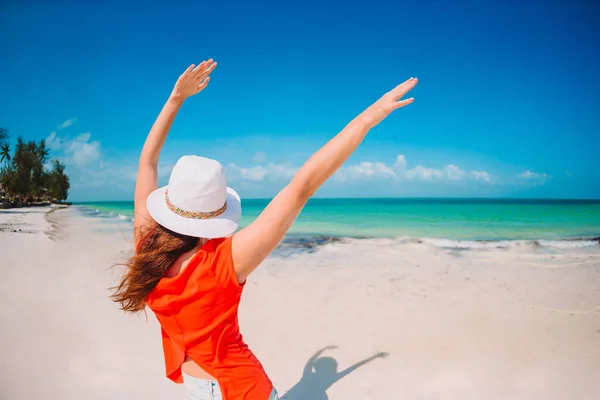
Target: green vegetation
[25, 177]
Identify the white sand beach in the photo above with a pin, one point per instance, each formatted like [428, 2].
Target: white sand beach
[480, 324]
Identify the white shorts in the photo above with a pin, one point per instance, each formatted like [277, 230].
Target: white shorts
[206, 389]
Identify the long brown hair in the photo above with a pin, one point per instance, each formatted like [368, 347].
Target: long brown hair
[157, 250]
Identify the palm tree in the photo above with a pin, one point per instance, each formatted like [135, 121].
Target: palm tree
[8, 181]
[28, 163]
[23, 162]
[5, 153]
[24, 175]
[4, 147]
[39, 177]
[58, 182]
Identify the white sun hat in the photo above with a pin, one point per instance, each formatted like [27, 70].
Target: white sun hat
[197, 201]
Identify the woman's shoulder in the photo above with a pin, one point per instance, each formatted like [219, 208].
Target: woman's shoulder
[222, 261]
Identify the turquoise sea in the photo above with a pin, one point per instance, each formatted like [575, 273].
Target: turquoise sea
[460, 220]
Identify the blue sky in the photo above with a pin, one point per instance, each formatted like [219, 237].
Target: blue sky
[506, 106]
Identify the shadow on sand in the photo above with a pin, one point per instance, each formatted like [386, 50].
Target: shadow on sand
[319, 374]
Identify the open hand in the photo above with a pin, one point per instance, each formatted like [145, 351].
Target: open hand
[193, 80]
[388, 103]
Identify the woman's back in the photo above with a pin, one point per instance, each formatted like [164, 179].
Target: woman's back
[197, 306]
[197, 310]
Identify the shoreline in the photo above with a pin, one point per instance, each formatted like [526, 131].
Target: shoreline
[54, 224]
[449, 223]
[308, 243]
[12, 206]
[16, 220]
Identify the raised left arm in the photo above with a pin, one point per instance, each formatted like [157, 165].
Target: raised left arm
[192, 81]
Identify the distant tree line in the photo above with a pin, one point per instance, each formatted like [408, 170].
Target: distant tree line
[25, 176]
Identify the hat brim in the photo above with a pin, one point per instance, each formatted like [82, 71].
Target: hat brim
[217, 227]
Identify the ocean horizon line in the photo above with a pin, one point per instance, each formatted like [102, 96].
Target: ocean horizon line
[426, 198]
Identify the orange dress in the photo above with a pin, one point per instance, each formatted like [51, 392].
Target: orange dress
[198, 313]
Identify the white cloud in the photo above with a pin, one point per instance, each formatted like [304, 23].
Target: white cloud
[259, 158]
[76, 151]
[53, 141]
[81, 150]
[253, 173]
[453, 172]
[533, 177]
[481, 176]
[86, 167]
[365, 169]
[67, 123]
[400, 171]
[260, 173]
[400, 162]
[422, 173]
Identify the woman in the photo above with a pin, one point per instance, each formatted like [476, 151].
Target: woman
[191, 265]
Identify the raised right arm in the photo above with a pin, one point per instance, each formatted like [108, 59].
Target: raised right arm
[191, 82]
[254, 243]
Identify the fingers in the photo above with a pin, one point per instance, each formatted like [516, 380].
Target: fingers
[205, 68]
[207, 71]
[403, 88]
[402, 103]
[201, 67]
[188, 70]
[203, 84]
